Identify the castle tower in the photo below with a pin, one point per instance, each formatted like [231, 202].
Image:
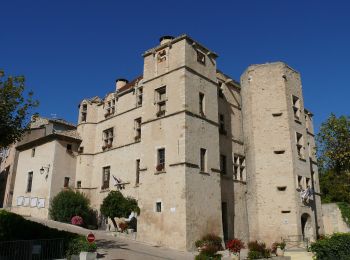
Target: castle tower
[280, 157]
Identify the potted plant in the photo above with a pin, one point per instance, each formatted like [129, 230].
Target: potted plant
[123, 226]
[160, 167]
[208, 246]
[235, 246]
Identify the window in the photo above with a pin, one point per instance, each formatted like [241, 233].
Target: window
[107, 138]
[300, 146]
[137, 129]
[33, 152]
[161, 56]
[139, 97]
[222, 129]
[203, 163]
[81, 149]
[223, 164]
[300, 183]
[66, 182]
[78, 184]
[29, 181]
[110, 108]
[308, 183]
[296, 107]
[84, 113]
[161, 101]
[161, 159]
[105, 177]
[239, 167]
[158, 206]
[201, 104]
[137, 171]
[69, 148]
[201, 57]
[220, 91]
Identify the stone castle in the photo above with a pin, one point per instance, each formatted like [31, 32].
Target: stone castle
[201, 152]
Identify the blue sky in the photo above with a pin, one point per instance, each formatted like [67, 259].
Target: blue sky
[68, 50]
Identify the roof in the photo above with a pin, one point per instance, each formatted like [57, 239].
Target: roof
[131, 84]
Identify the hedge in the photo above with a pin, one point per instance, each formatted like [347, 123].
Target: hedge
[336, 246]
[15, 227]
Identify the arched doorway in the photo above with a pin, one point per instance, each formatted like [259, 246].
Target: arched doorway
[306, 226]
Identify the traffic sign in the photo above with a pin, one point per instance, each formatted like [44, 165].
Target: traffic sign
[90, 238]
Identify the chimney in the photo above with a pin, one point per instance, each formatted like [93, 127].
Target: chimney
[119, 83]
[165, 39]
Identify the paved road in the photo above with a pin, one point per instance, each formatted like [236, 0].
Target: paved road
[112, 248]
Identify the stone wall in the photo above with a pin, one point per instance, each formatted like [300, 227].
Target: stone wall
[332, 219]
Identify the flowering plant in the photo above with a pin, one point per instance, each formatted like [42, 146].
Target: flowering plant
[235, 245]
[160, 167]
[123, 226]
[77, 220]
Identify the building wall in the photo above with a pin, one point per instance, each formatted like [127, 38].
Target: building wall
[333, 220]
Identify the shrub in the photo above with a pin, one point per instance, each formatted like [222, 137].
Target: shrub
[67, 204]
[209, 245]
[235, 245]
[258, 250]
[78, 245]
[274, 246]
[345, 211]
[77, 220]
[336, 246]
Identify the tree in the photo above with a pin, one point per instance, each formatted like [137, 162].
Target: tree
[15, 106]
[115, 205]
[333, 145]
[67, 204]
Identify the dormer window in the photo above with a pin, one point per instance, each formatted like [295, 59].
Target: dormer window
[110, 108]
[139, 97]
[161, 56]
[201, 57]
[83, 113]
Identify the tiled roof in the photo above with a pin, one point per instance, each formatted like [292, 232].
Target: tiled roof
[131, 83]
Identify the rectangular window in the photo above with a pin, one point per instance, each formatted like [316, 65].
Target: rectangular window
[107, 138]
[33, 152]
[239, 168]
[161, 56]
[220, 91]
[105, 177]
[139, 97]
[222, 128]
[137, 129]
[223, 164]
[296, 107]
[81, 149]
[201, 104]
[137, 171]
[201, 57]
[158, 206]
[161, 159]
[308, 183]
[29, 181]
[203, 160]
[300, 145]
[300, 182]
[110, 108]
[69, 148]
[78, 184]
[161, 101]
[83, 112]
[66, 182]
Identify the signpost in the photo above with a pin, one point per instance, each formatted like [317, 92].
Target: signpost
[90, 238]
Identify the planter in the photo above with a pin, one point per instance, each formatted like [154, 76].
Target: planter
[130, 230]
[279, 251]
[88, 256]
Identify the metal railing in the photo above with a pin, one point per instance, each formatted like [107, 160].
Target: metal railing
[297, 241]
[42, 249]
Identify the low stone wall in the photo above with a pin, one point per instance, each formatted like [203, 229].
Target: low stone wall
[332, 219]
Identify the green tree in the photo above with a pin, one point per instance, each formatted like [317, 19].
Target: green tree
[15, 105]
[67, 204]
[333, 145]
[115, 205]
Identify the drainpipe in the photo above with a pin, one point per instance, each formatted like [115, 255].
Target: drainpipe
[314, 197]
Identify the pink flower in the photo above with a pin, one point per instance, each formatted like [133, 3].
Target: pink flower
[77, 220]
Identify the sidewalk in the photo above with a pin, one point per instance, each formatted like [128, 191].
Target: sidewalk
[112, 248]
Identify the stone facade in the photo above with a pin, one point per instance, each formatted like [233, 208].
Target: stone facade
[200, 152]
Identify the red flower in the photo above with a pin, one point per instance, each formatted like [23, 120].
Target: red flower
[235, 245]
